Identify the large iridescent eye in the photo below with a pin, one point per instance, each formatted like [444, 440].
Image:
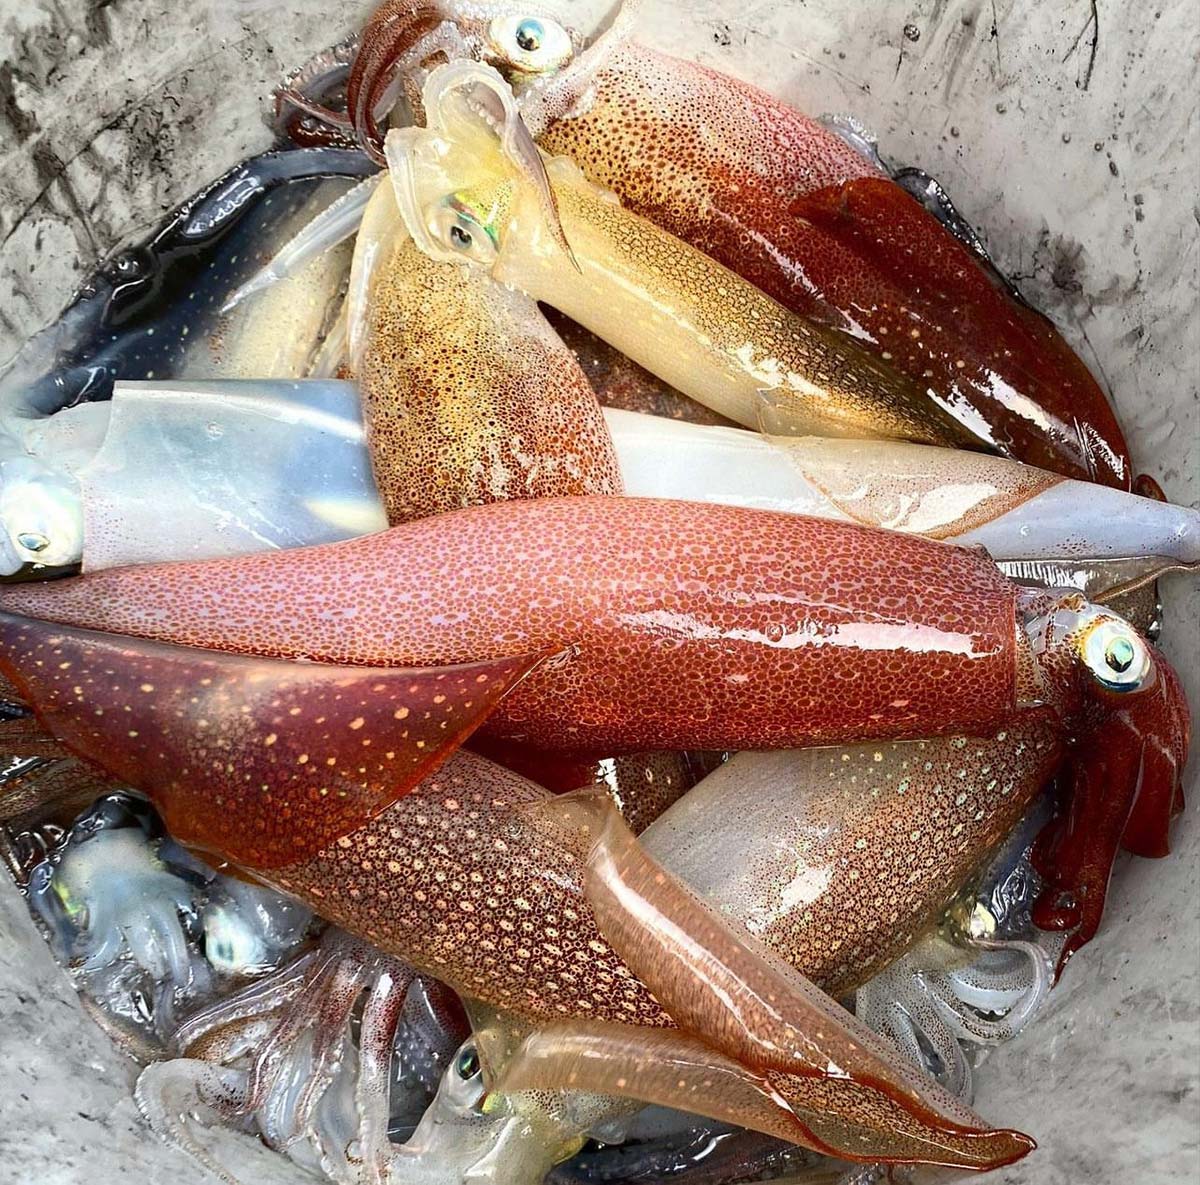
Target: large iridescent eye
[462, 1088]
[530, 44]
[1116, 655]
[466, 1065]
[457, 228]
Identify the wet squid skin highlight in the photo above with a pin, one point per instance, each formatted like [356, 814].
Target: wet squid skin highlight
[466, 196]
[787, 205]
[794, 209]
[791, 632]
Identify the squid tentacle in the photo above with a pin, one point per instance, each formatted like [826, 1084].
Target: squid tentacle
[927, 1008]
[335, 224]
[377, 1037]
[266, 995]
[167, 1093]
[1125, 789]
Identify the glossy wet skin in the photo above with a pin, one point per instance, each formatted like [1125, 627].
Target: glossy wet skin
[827, 235]
[836, 844]
[469, 197]
[795, 631]
[791, 207]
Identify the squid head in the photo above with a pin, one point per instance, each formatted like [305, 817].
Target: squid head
[1131, 730]
[544, 59]
[467, 107]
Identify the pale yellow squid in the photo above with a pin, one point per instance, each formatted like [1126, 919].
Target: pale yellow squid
[472, 187]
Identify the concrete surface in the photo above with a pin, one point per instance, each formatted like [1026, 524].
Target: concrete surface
[1065, 129]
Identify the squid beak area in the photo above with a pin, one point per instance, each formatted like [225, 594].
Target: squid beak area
[388, 39]
[1124, 789]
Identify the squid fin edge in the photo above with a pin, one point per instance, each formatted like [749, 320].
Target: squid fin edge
[223, 743]
[534, 1068]
[604, 835]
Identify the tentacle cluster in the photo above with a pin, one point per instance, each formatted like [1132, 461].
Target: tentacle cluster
[282, 1055]
[938, 996]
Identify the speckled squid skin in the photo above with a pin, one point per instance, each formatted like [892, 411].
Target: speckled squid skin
[473, 879]
[848, 855]
[792, 208]
[469, 396]
[694, 626]
[461, 879]
[696, 324]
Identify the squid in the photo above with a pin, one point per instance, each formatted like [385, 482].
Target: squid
[780, 200]
[154, 311]
[543, 867]
[887, 792]
[650, 639]
[145, 928]
[803, 898]
[470, 196]
[313, 482]
[468, 395]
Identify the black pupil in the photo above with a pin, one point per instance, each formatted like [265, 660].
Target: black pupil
[460, 237]
[468, 1064]
[529, 36]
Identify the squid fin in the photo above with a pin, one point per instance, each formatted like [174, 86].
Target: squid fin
[260, 761]
[747, 1004]
[671, 1069]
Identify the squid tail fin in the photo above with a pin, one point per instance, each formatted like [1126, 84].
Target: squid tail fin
[757, 1042]
[257, 762]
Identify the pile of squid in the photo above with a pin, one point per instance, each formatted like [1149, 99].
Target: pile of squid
[568, 624]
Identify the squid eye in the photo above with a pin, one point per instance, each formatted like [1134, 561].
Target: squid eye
[33, 541]
[1116, 656]
[467, 1064]
[464, 234]
[530, 45]
[529, 35]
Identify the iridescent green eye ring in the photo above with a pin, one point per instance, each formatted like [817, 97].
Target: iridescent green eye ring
[1114, 654]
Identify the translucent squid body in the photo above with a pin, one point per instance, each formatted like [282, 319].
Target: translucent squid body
[778, 199]
[313, 481]
[155, 311]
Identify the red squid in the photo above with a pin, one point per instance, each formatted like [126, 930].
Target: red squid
[788, 632]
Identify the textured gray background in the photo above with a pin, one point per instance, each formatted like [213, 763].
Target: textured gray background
[1066, 130]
